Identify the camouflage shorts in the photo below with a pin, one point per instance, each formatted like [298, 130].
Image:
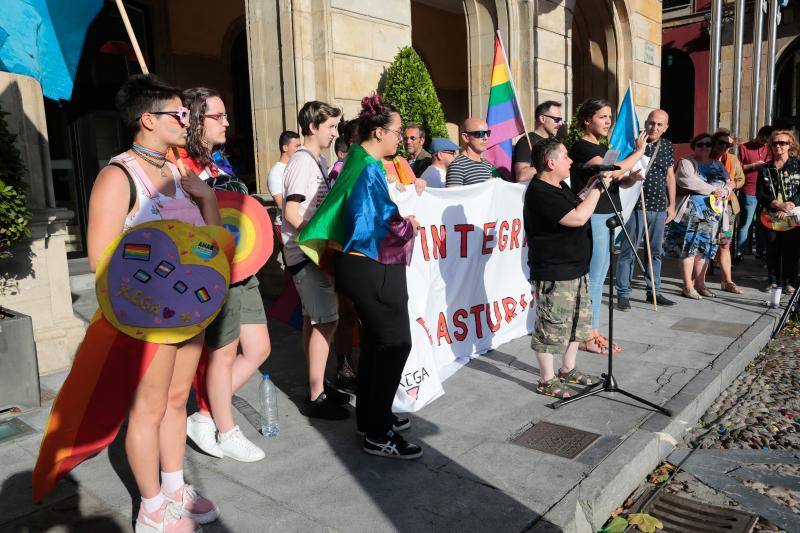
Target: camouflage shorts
[563, 314]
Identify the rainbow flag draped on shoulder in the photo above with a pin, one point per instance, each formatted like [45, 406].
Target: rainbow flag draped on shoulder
[504, 117]
[359, 216]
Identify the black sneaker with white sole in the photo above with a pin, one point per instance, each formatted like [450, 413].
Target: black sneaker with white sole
[398, 424]
[326, 409]
[393, 446]
[335, 395]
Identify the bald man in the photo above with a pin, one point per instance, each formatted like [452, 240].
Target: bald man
[659, 201]
[469, 167]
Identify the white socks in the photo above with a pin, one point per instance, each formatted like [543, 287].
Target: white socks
[153, 504]
[171, 481]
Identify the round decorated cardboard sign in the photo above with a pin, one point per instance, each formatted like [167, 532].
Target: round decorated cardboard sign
[251, 227]
[162, 281]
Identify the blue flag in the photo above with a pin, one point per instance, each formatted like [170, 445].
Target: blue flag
[43, 39]
[626, 128]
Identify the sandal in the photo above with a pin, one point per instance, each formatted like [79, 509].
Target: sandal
[593, 345]
[731, 287]
[703, 291]
[577, 377]
[554, 388]
[602, 341]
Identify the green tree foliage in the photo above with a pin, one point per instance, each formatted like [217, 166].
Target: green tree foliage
[14, 216]
[410, 89]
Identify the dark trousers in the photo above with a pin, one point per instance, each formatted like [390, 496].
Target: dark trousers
[783, 252]
[380, 297]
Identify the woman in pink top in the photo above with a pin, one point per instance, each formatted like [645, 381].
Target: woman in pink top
[753, 155]
[156, 436]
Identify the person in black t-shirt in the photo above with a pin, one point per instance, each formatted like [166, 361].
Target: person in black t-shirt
[559, 251]
[594, 119]
[548, 119]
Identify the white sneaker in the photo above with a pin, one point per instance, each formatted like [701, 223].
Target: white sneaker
[203, 432]
[236, 446]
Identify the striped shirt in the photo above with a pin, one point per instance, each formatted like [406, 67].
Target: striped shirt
[465, 171]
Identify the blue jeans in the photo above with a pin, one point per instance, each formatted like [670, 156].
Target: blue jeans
[625, 264]
[598, 266]
[748, 203]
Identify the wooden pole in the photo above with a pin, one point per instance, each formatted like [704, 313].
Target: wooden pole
[644, 218]
[140, 58]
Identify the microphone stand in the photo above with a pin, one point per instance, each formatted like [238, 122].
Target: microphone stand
[609, 384]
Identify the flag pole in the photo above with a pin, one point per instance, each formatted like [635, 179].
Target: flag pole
[140, 58]
[514, 88]
[644, 212]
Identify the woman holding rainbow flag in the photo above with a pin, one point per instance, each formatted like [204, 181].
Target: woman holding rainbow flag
[373, 245]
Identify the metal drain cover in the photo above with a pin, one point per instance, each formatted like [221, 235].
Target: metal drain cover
[13, 428]
[682, 515]
[556, 439]
[714, 327]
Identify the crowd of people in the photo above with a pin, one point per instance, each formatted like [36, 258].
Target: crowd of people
[353, 284]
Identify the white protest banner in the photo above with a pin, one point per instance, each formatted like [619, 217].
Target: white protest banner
[467, 283]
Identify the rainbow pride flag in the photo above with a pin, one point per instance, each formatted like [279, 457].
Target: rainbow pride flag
[504, 117]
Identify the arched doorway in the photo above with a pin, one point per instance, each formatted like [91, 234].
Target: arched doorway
[241, 140]
[787, 88]
[596, 51]
[677, 93]
[439, 35]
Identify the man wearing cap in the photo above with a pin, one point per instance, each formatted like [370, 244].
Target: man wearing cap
[443, 152]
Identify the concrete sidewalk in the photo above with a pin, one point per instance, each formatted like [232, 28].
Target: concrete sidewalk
[471, 478]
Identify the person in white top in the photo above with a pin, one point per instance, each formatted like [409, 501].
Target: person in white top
[444, 152]
[288, 143]
[305, 186]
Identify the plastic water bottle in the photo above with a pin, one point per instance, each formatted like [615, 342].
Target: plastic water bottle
[775, 296]
[269, 407]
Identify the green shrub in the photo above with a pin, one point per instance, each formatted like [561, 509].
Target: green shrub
[410, 89]
[14, 216]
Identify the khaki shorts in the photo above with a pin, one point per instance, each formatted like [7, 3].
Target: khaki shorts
[563, 314]
[317, 296]
[243, 306]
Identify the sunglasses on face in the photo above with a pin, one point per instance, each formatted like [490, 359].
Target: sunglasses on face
[724, 143]
[181, 115]
[479, 134]
[781, 143]
[557, 120]
[703, 145]
[219, 117]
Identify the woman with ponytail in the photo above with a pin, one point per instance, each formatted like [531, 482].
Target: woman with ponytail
[372, 243]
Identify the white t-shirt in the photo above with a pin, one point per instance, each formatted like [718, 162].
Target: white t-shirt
[434, 176]
[307, 178]
[275, 186]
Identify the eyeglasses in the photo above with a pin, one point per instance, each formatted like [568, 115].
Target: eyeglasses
[781, 143]
[396, 132]
[181, 115]
[703, 145]
[219, 117]
[557, 120]
[411, 138]
[479, 134]
[724, 143]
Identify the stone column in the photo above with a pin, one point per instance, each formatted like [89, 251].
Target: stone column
[35, 281]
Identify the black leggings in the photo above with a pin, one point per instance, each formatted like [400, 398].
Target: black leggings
[380, 296]
[783, 252]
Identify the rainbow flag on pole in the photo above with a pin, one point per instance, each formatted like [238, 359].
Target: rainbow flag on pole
[504, 117]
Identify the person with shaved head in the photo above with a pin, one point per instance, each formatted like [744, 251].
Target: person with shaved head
[469, 167]
[659, 202]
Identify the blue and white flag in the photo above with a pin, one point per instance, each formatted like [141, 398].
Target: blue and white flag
[43, 39]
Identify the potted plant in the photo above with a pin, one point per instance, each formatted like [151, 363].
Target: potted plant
[19, 371]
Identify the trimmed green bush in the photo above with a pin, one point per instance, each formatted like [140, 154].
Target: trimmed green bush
[410, 89]
[14, 216]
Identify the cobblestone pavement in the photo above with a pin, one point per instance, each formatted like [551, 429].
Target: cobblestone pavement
[745, 451]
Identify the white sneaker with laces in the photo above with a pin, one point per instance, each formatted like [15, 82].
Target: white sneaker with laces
[203, 433]
[236, 446]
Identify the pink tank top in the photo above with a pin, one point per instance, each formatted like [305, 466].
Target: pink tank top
[152, 204]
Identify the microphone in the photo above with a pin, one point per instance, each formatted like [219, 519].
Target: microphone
[596, 168]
